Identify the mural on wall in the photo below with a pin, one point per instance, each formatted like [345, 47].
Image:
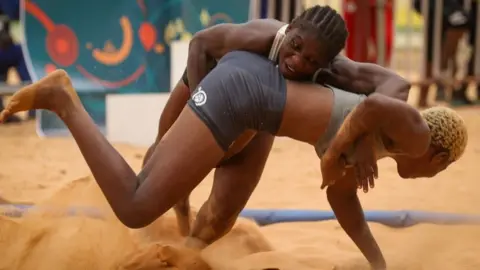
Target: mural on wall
[120, 46]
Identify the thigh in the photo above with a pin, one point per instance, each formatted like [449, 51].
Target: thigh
[235, 181]
[174, 106]
[240, 143]
[180, 161]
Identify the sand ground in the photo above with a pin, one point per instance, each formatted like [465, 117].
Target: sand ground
[53, 172]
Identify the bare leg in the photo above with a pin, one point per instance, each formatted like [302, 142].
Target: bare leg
[135, 204]
[234, 182]
[184, 215]
[177, 101]
[233, 185]
[175, 104]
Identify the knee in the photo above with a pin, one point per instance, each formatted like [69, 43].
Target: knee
[213, 221]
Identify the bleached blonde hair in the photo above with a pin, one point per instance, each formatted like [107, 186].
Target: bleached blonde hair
[447, 130]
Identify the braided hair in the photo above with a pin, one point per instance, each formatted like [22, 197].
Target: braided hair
[327, 24]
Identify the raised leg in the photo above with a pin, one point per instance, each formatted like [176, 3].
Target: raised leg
[137, 201]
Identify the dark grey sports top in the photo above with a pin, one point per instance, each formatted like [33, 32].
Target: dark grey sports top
[344, 103]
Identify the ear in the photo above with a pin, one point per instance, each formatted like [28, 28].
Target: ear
[440, 158]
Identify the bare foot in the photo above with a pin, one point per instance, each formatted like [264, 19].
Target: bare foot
[54, 92]
[183, 258]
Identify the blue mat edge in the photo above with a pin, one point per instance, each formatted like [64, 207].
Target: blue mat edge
[396, 219]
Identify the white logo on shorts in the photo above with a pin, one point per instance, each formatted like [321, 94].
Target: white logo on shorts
[199, 97]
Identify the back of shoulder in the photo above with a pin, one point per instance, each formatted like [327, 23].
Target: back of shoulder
[261, 34]
[270, 24]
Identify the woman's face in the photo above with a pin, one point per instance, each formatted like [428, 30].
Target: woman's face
[301, 54]
[428, 165]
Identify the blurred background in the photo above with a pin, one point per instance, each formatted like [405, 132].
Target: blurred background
[123, 55]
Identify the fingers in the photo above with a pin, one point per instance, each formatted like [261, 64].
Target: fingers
[362, 177]
[374, 176]
[375, 170]
[327, 183]
[323, 185]
[365, 176]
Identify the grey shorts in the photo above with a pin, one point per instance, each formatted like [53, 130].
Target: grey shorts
[244, 91]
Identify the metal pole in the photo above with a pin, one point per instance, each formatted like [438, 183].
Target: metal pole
[286, 11]
[380, 27]
[437, 37]
[298, 7]
[409, 60]
[271, 9]
[425, 9]
[477, 42]
[254, 12]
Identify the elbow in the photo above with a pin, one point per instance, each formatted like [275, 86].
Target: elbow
[134, 219]
[403, 88]
[374, 102]
[196, 43]
[393, 85]
[135, 222]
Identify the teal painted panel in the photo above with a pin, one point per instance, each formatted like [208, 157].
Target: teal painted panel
[119, 46]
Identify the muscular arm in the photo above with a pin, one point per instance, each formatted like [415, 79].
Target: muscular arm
[344, 201]
[364, 78]
[214, 42]
[397, 121]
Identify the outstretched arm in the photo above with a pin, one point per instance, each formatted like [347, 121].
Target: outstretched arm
[214, 42]
[397, 121]
[365, 78]
[344, 201]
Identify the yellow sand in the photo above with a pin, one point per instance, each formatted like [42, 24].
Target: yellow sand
[43, 170]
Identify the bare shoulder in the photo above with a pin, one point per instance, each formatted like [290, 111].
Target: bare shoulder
[254, 36]
[263, 29]
[267, 24]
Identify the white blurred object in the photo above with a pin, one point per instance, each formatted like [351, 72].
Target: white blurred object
[133, 118]
[178, 60]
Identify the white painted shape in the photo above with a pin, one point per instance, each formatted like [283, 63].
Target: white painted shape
[178, 61]
[133, 118]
